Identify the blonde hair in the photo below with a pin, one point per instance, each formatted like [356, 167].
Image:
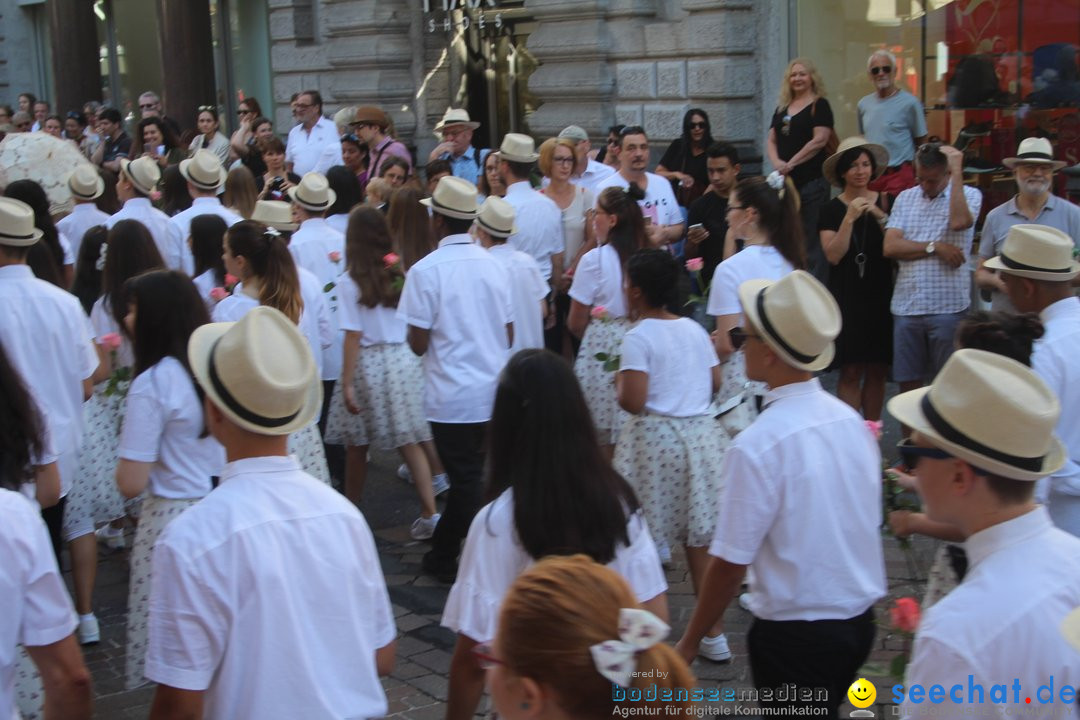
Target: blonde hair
[379, 188]
[817, 85]
[240, 192]
[547, 153]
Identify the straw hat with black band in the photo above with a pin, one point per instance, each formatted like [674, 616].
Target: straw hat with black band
[797, 317]
[453, 197]
[85, 183]
[204, 171]
[455, 116]
[1034, 150]
[274, 213]
[1037, 252]
[313, 193]
[17, 224]
[496, 217]
[878, 152]
[143, 173]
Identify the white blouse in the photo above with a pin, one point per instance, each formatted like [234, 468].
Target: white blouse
[598, 281]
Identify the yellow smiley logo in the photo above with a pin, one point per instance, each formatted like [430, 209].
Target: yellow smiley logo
[862, 693]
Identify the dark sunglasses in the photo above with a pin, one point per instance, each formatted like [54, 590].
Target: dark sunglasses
[351, 137]
[697, 126]
[881, 69]
[786, 128]
[738, 336]
[244, 112]
[910, 454]
[148, 106]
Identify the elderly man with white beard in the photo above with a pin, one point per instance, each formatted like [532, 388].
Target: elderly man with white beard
[1033, 167]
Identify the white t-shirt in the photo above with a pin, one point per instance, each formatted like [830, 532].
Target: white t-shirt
[83, 217]
[539, 225]
[678, 357]
[37, 609]
[181, 223]
[527, 289]
[104, 323]
[379, 325]
[316, 150]
[171, 240]
[311, 246]
[659, 202]
[598, 281]
[163, 419]
[756, 262]
[494, 557]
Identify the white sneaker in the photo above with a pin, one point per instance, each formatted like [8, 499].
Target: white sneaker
[423, 528]
[403, 472]
[744, 601]
[112, 538]
[89, 632]
[440, 484]
[714, 648]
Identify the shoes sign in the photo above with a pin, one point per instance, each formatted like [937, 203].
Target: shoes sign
[448, 24]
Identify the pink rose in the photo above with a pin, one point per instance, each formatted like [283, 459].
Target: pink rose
[334, 256]
[905, 614]
[695, 264]
[391, 259]
[155, 195]
[231, 280]
[875, 426]
[218, 294]
[111, 341]
[599, 312]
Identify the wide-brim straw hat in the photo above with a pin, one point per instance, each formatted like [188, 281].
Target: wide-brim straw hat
[85, 183]
[313, 193]
[879, 153]
[1034, 150]
[274, 213]
[518, 148]
[1038, 252]
[455, 116]
[259, 371]
[796, 316]
[453, 197]
[496, 216]
[17, 224]
[203, 170]
[143, 173]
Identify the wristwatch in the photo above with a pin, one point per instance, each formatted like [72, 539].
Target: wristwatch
[930, 248]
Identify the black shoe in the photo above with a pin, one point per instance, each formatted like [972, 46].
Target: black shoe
[438, 567]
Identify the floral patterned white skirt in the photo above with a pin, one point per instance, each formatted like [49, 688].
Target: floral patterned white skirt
[306, 444]
[598, 384]
[94, 498]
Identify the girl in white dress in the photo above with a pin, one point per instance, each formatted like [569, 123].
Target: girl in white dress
[550, 491]
[165, 448]
[598, 290]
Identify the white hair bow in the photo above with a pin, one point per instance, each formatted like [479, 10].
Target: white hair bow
[776, 181]
[638, 630]
[272, 231]
[100, 263]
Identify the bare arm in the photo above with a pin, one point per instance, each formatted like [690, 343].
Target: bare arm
[722, 580]
[350, 353]
[47, 485]
[631, 390]
[959, 213]
[466, 681]
[835, 243]
[174, 704]
[988, 279]
[810, 149]
[385, 657]
[770, 148]
[578, 319]
[64, 678]
[720, 338]
[905, 522]
[898, 247]
[418, 339]
[132, 477]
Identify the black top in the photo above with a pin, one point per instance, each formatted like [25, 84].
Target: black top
[800, 130]
[252, 160]
[711, 211]
[116, 149]
[275, 194]
[693, 165]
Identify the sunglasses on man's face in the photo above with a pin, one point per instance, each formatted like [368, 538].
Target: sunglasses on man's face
[738, 336]
[910, 454]
[878, 70]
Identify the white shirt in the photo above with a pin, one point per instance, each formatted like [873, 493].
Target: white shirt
[316, 150]
[182, 222]
[205, 284]
[801, 504]
[311, 246]
[219, 146]
[598, 281]
[494, 557]
[1054, 359]
[48, 339]
[83, 217]
[678, 357]
[594, 173]
[379, 325]
[539, 225]
[527, 290]
[170, 239]
[1002, 623]
[459, 292]
[37, 609]
[235, 579]
[755, 262]
[339, 222]
[103, 322]
[659, 203]
[163, 421]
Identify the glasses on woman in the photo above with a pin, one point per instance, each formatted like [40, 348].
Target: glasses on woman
[242, 111]
[738, 336]
[563, 160]
[485, 656]
[697, 126]
[350, 137]
[879, 69]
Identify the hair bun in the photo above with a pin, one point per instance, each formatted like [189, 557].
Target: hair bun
[635, 191]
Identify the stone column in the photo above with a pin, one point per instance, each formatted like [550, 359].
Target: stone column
[77, 78]
[187, 58]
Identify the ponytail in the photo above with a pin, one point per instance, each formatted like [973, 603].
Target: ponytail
[778, 215]
[271, 262]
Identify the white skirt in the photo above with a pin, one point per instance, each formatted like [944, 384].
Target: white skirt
[306, 444]
[602, 336]
[673, 464]
[389, 383]
[94, 498]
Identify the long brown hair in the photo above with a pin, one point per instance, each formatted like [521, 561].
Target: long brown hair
[410, 226]
[367, 243]
[240, 192]
[270, 261]
[778, 216]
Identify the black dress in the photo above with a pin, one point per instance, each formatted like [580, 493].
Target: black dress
[866, 336]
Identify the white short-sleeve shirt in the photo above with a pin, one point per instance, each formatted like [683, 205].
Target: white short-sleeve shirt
[756, 262]
[598, 281]
[1054, 359]
[277, 566]
[678, 357]
[659, 203]
[104, 323]
[527, 289]
[74, 226]
[171, 240]
[163, 421]
[539, 225]
[316, 150]
[379, 325]
[37, 609]
[181, 222]
[493, 558]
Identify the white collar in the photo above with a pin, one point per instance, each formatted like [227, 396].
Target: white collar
[204, 201]
[812, 385]
[518, 188]
[84, 208]
[16, 271]
[986, 542]
[462, 239]
[1062, 308]
[312, 223]
[137, 202]
[259, 466]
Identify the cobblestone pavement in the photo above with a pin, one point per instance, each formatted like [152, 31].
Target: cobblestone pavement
[417, 688]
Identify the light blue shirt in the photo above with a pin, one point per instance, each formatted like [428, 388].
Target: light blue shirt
[894, 123]
[466, 166]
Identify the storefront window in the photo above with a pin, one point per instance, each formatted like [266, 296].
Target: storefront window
[130, 52]
[241, 55]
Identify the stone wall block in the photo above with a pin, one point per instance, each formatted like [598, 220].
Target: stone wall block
[733, 31]
[722, 77]
[628, 114]
[636, 80]
[664, 121]
[671, 79]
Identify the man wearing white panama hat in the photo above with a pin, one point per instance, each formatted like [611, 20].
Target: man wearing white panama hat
[456, 131]
[1001, 626]
[244, 622]
[1033, 169]
[136, 181]
[801, 504]
[205, 176]
[539, 220]
[86, 186]
[1037, 268]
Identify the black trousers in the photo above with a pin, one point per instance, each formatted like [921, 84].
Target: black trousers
[813, 655]
[461, 449]
[54, 521]
[335, 454]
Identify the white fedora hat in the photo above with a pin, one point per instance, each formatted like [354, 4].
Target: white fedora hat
[259, 371]
[274, 213]
[17, 224]
[453, 197]
[1034, 150]
[85, 183]
[798, 318]
[496, 216]
[313, 193]
[878, 152]
[1038, 252]
[990, 411]
[455, 116]
[203, 170]
[143, 173]
[518, 148]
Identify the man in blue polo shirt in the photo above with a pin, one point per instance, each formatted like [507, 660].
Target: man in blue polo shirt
[456, 130]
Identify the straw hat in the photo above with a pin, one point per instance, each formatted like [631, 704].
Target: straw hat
[518, 148]
[85, 183]
[455, 116]
[798, 318]
[453, 197]
[575, 133]
[880, 154]
[259, 371]
[313, 193]
[274, 213]
[371, 115]
[1037, 252]
[1034, 150]
[17, 224]
[496, 216]
[143, 173]
[203, 170]
[1070, 628]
